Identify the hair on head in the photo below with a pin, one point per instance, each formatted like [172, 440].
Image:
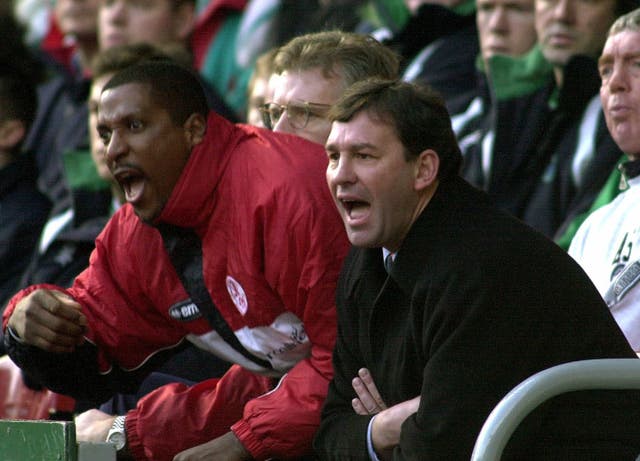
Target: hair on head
[348, 55]
[629, 21]
[171, 86]
[417, 113]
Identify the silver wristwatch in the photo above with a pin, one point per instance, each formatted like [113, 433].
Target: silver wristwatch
[117, 435]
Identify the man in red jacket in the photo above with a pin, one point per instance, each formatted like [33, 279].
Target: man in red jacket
[225, 225]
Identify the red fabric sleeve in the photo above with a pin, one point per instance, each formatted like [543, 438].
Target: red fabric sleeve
[176, 417]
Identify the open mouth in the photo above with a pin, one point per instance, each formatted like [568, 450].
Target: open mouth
[132, 183]
[355, 209]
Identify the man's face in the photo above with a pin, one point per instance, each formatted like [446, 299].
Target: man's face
[97, 146]
[145, 150]
[78, 18]
[158, 22]
[307, 86]
[569, 27]
[371, 182]
[505, 27]
[620, 91]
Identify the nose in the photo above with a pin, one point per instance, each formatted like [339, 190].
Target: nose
[115, 11]
[283, 125]
[340, 172]
[617, 81]
[116, 148]
[497, 21]
[564, 10]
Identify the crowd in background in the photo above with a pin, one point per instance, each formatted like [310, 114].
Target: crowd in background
[520, 79]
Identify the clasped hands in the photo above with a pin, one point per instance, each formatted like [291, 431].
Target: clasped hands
[385, 431]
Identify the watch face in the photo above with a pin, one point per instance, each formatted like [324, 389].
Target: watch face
[118, 439]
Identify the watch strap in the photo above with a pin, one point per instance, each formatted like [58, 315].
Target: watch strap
[118, 427]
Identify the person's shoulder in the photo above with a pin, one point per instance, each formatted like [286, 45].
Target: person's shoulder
[281, 143]
[282, 158]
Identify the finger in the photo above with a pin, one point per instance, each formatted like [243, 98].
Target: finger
[53, 341]
[63, 305]
[367, 380]
[365, 397]
[358, 407]
[40, 319]
[46, 324]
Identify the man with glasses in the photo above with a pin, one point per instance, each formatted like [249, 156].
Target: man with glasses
[314, 70]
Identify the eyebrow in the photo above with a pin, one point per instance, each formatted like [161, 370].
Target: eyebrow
[351, 147]
[608, 58]
[605, 59]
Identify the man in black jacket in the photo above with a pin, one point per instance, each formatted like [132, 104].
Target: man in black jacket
[472, 301]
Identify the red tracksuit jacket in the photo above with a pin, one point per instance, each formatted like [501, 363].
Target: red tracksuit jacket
[273, 245]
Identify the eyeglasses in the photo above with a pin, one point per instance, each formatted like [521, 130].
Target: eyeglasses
[298, 113]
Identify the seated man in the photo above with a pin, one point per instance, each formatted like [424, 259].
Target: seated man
[606, 245]
[473, 302]
[229, 239]
[313, 70]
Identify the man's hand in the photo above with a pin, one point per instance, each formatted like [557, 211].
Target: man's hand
[368, 401]
[93, 426]
[49, 320]
[225, 448]
[385, 431]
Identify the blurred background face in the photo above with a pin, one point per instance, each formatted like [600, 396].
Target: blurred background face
[569, 27]
[505, 27]
[157, 22]
[619, 69]
[78, 18]
[97, 146]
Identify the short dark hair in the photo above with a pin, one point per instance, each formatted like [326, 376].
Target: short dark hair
[172, 86]
[417, 113]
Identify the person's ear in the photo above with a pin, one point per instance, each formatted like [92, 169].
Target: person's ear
[427, 166]
[11, 133]
[184, 18]
[195, 128]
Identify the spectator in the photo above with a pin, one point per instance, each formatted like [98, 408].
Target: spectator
[507, 35]
[547, 153]
[60, 125]
[314, 70]
[268, 246]
[606, 245]
[23, 209]
[473, 302]
[167, 24]
[505, 28]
